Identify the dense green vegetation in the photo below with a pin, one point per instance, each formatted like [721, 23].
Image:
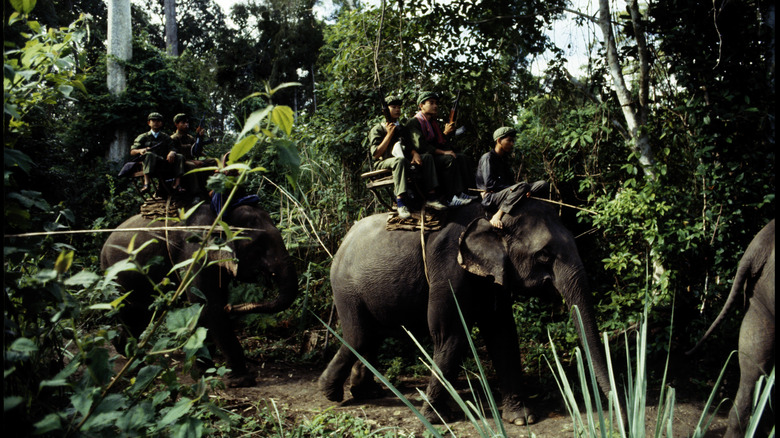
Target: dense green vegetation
[710, 124]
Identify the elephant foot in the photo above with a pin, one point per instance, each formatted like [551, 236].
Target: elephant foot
[331, 392]
[240, 381]
[367, 391]
[518, 416]
[441, 415]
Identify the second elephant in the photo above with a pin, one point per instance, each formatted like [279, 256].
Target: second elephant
[382, 281]
[755, 282]
[261, 253]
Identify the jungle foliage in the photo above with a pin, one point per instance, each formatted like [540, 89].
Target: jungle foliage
[711, 124]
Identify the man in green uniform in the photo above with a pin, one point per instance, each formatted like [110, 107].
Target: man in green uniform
[390, 151]
[453, 169]
[159, 158]
[190, 148]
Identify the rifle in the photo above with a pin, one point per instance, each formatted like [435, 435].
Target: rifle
[453, 111]
[383, 106]
[197, 147]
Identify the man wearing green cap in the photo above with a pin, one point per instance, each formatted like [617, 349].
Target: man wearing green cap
[453, 169]
[389, 150]
[190, 147]
[159, 158]
[496, 181]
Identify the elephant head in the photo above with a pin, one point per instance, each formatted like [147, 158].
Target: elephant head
[535, 254]
[262, 253]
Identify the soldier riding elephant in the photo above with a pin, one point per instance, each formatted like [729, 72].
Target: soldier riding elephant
[383, 280]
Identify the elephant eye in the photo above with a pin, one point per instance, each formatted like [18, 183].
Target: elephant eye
[543, 257]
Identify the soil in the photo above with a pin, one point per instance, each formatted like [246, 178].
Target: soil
[293, 389]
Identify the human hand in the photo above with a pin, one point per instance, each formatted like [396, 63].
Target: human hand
[449, 128]
[171, 156]
[390, 126]
[416, 159]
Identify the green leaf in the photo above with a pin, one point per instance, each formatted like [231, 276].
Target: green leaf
[177, 411]
[189, 428]
[282, 116]
[285, 85]
[195, 342]
[11, 402]
[49, 424]
[182, 321]
[24, 346]
[145, 377]
[83, 279]
[241, 148]
[254, 119]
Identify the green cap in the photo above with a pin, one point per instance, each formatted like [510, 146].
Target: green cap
[504, 131]
[393, 99]
[154, 116]
[179, 117]
[426, 95]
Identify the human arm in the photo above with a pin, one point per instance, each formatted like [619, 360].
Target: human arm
[378, 150]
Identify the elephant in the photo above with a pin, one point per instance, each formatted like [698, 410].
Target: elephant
[755, 279]
[262, 255]
[383, 280]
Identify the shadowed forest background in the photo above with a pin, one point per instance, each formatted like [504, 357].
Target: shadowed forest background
[672, 171]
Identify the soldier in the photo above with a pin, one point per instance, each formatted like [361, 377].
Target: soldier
[453, 169]
[159, 157]
[190, 148]
[390, 151]
[496, 181]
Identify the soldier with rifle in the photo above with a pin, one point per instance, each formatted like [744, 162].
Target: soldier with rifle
[191, 148]
[155, 148]
[454, 169]
[389, 150]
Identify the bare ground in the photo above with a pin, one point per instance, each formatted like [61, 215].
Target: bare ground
[293, 389]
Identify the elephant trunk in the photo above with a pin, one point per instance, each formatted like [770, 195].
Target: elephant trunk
[286, 281]
[572, 284]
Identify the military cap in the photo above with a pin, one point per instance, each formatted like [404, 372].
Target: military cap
[425, 95]
[393, 99]
[179, 117]
[504, 131]
[154, 116]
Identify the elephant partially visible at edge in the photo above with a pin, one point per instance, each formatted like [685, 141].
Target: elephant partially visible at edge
[381, 281]
[262, 255]
[755, 280]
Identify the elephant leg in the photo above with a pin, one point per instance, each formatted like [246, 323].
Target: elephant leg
[449, 343]
[221, 330]
[756, 353]
[332, 380]
[500, 335]
[362, 383]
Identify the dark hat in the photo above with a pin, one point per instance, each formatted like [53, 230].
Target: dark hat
[426, 95]
[394, 99]
[504, 131]
[154, 116]
[179, 117]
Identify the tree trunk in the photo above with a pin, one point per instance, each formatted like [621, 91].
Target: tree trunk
[120, 48]
[635, 113]
[171, 32]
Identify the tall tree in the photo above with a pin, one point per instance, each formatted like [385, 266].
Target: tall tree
[120, 49]
[171, 29]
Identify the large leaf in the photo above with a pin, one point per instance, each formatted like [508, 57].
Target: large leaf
[254, 119]
[242, 147]
[282, 116]
[23, 6]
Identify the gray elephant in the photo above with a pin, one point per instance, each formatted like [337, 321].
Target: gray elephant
[755, 279]
[382, 280]
[262, 255]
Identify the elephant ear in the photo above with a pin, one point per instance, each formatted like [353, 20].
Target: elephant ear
[481, 251]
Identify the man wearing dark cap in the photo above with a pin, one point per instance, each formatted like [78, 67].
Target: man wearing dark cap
[389, 150]
[496, 181]
[159, 158]
[453, 169]
[190, 148]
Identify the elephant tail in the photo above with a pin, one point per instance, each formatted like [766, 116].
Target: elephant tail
[743, 273]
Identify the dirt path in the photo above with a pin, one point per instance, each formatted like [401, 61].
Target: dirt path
[294, 390]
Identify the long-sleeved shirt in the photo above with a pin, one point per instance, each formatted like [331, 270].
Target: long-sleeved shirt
[494, 173]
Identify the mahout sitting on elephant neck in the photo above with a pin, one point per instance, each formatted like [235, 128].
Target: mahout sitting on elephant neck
[381, 282]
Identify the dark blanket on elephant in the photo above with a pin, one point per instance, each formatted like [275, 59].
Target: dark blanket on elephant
[161, 207]
[433, 221]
